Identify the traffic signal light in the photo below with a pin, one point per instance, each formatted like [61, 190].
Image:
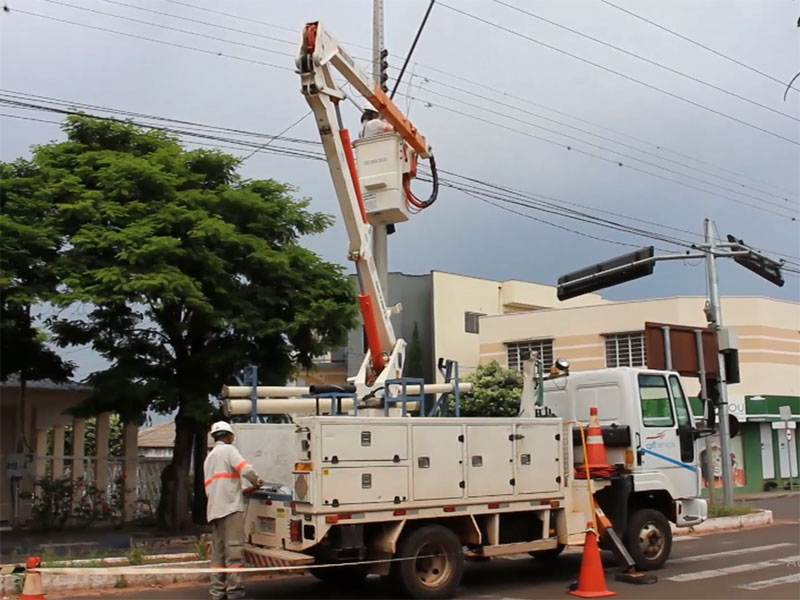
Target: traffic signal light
[606, 274]
[384, 69]
[760, 265]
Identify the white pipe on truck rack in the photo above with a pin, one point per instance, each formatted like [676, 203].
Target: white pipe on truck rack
[280, 391]
[283, 406]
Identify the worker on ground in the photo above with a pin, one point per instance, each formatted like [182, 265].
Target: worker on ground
[372, 124]
[223, 469]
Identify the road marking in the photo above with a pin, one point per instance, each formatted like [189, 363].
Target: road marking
[688, 559]
[765, 564]
[760, 585]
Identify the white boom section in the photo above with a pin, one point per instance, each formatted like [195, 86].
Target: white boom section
[279, 391]
[319, 55]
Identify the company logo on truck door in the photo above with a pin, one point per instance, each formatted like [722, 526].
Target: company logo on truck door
[656, 442]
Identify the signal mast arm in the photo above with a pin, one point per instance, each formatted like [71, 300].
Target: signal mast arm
[318, 57]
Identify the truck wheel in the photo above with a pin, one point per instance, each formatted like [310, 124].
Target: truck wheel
[344, 575]
[648, 538]
[550, 554]
[436, 570]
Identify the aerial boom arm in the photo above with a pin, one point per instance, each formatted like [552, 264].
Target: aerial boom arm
[318, 57]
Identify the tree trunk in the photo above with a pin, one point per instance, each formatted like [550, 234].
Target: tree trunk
[173, 508]
[200, 450]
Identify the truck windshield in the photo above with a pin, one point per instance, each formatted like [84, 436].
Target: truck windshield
[654, 396]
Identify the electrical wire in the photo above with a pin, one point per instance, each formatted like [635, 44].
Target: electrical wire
[149, 39]
[605, 138]
[696, 43]
[651, 164]
[647, 60]
[657, 146]
[619, 74]
[272, 139]
[549, 204]
[608, 160]
[168, 28]
[116, 2]
[207, 23]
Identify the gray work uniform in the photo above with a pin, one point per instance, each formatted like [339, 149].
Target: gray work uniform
[223, 469]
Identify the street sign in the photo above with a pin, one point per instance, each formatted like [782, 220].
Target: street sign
[683, 349]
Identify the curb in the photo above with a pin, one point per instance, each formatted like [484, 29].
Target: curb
[758, 517]
[11, 584]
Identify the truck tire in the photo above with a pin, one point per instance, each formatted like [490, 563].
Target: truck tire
[648, 538]
[438, 570]
[551, 554]
[344, 575]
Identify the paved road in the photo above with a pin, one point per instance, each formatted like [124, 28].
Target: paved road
[756, 563]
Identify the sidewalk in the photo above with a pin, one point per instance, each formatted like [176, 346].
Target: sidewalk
[766, 495]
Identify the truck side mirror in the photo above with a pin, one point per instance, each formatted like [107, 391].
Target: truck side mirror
[710, 419]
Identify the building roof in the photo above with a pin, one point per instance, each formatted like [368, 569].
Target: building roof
[46, 384]
[161, 436]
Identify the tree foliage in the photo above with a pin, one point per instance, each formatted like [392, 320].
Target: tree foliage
[496, 392]
[29, 245]
[187, 273]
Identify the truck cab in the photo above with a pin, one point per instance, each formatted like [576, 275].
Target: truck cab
[649, 430]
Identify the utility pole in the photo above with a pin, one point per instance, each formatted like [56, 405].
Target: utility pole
[716, 324]
[380, 247]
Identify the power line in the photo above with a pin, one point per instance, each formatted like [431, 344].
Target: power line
[603, 158]
[239, 17]
[696, 43]
[647, 60]
[620, 74]
[168, 27]
[606, 138]
[780, 206]
[275, 137]
[495, 90]
[465, 91]
[557, 203]
[149, 39]
[217, 25]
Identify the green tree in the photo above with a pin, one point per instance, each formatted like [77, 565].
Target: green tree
[187, 273]
[496, 392]
[414, 367]
[29, 244]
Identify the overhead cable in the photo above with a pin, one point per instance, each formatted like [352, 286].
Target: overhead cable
[619, 74]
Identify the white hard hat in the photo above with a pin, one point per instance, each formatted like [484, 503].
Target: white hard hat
[221, 427]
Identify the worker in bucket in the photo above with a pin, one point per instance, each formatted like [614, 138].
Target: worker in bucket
[224, 469]
[372, 124]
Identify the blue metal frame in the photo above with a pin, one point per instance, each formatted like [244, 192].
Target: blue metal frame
[449, 369]
[403, 398]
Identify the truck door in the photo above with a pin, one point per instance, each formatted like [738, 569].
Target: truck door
[667, 443]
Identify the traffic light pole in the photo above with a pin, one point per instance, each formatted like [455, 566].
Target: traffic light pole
[640, 263]
[716, 323]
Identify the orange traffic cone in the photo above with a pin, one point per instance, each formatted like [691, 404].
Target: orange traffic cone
[592, 580]
[595, 451]
[32, 588]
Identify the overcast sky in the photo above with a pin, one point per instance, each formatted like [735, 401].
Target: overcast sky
[460, 233]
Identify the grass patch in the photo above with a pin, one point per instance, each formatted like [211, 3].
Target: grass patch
[121, 582]
[135, 555]
[733, 510]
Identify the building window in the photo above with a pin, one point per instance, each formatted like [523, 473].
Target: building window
[518, 352]
[471, 322]
[625, 350]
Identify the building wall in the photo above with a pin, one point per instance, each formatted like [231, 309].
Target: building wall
[455, 295]
[768, 332]
[414, 293]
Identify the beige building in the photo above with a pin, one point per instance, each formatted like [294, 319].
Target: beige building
[612, 334]
[461, 305]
